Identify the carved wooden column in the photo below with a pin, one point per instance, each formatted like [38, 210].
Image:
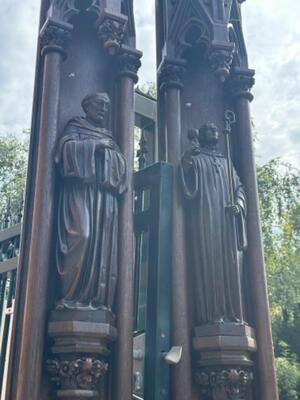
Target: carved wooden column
[213, 310]
[79, 216]
[128, 65]
[170, 77]
[54, 37]
[239, 86]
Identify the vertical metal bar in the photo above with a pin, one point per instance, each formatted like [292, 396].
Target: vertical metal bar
[157, 374]
[6, 295]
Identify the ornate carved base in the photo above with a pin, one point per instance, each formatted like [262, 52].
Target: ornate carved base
[79, 357]
[223, 361]
[230, 383]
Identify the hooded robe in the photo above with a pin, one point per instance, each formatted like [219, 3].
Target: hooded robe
[93, 175]
[216, 238]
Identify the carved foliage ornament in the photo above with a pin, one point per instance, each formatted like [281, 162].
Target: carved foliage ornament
[129, 64]
[111, 28]
[55, 36]
[241, 83]
[233, 382]
[111, 32]
[220, 61]
[84, 373]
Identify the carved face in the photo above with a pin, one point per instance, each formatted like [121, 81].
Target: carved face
[212, 136]
[97, 110]
[209, 135]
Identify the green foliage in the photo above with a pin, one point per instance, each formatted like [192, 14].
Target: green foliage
[288, 373]
[279, 192]
[13, 167]
[148, 89]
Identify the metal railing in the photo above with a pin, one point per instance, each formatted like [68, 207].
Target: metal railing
[9, 252]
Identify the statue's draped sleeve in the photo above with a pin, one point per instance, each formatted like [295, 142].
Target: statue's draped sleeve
[82, 159]
[241, 218]
[190, 177]
[114, 172]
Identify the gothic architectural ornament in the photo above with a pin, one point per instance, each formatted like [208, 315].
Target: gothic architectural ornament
[55, 36]
[171, 74]
[110, 26]
[241, 82]
[190, 28]
[111, 32]
[220, 60]
[83, 374]
[129, 62]
[65, 10]
[230, 383]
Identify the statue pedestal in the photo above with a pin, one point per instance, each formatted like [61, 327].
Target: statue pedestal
[80, 352]
[223, 360]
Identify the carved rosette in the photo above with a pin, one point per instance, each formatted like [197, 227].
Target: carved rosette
[220, 61]
[55, 36]
[111, 32]
[79, 375]
[171, 74]
[129, 62]
[225, 383]
[241, 82]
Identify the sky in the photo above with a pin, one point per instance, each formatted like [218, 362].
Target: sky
[272, 33]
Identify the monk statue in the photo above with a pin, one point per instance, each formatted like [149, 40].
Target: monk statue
[93, 173]
[216, 229]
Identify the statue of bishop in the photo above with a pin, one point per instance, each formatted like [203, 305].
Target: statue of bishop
[216, 229]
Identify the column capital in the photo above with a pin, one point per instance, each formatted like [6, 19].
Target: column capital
[171, 73]
[240, 83]
[129, 62]
[55, 36]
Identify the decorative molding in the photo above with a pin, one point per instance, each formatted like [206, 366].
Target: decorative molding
[129, 62]
[220, 60]
[55, 36]
[171, 74]
[111, 32]
[190, 27]
[65, 10]
[84, 373]
[241, 82]
[233, 383]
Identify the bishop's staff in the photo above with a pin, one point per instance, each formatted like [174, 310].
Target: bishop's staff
[230, 119]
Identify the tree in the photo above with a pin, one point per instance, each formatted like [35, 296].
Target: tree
[13, 167]
[279, 192]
